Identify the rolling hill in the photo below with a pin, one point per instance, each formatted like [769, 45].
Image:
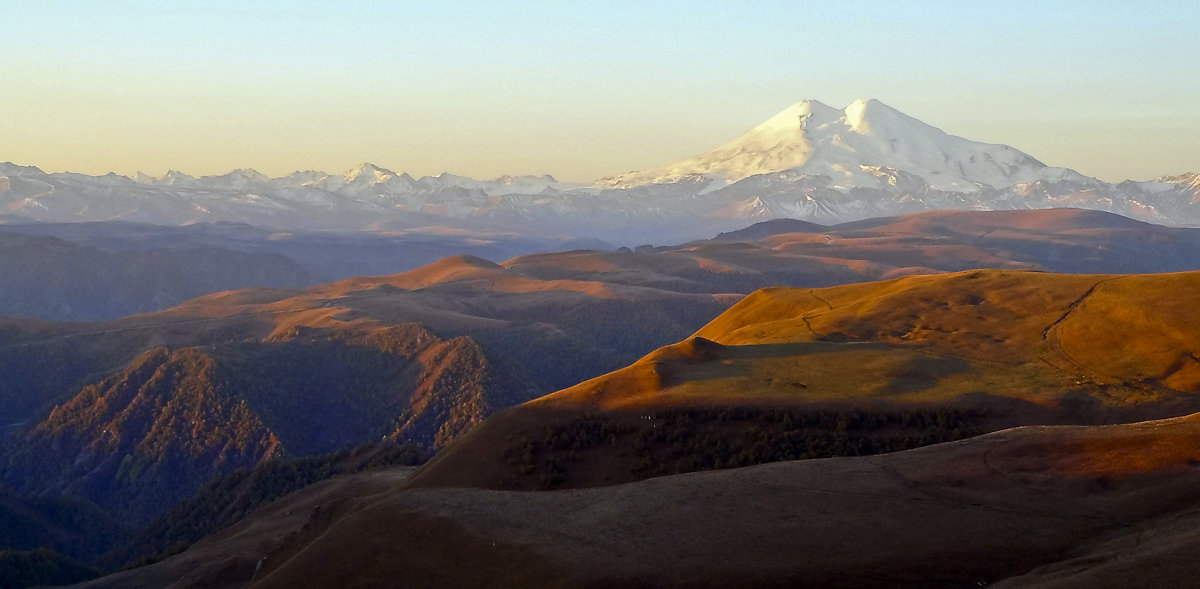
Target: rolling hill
[55, 279]
[883, 365]
[138, 413]
[1047, 506]
[576, 314]
[105, 270]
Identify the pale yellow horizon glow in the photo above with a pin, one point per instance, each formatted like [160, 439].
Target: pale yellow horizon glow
[577, 91]
[276, 146]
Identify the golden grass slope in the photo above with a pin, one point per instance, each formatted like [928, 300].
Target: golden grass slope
[1137, 327]
[1016, 347]
[915, 336]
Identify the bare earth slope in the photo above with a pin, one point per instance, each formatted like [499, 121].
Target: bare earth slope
[1035, 505]
[228, 558]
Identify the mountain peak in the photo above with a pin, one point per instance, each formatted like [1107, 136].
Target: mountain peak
[859, 114]
[370, 173]
[11, 169]
[1188, 178]
[778, 143]
[798, 116]
[861, 145]
[175, 177]
[868, 103]
[248, 173]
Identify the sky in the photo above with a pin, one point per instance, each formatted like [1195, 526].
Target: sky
[581, 90]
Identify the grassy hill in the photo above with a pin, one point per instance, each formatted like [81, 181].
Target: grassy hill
[793, 373]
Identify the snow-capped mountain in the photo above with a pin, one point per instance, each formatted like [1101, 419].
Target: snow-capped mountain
[860, 146]
[810, 162]
[1190, 180]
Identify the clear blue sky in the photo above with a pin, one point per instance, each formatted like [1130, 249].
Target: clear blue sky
[579, 90]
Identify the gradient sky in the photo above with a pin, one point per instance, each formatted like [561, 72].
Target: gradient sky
[578, 90]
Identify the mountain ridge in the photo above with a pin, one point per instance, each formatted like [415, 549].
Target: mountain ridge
[140, 440]
[810, 162]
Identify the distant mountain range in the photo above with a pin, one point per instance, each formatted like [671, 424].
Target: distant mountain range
[810, 161]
